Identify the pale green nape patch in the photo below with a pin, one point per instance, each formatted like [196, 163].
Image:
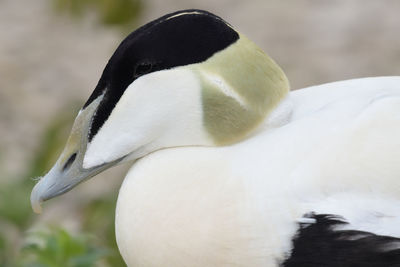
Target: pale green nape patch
[255, 79]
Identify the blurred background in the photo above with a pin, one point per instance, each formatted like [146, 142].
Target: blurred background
[52, 53]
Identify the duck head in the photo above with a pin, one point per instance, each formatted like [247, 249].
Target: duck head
[185, 79]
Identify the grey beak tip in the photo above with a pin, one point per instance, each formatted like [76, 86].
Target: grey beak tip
[36, 198]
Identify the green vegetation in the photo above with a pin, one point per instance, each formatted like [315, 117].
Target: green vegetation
[110, 12]
[21, 246]
[56, 247]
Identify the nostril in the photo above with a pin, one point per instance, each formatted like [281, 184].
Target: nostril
[69, 161]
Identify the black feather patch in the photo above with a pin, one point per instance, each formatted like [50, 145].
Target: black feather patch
[320, 245]
[177, 39]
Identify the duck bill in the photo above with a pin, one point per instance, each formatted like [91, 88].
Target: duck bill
[60, 180]
[68, 171]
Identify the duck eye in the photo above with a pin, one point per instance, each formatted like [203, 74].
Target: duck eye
[143, 68]
[69, 161]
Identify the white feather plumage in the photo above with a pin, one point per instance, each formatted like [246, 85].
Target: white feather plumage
[338, 152]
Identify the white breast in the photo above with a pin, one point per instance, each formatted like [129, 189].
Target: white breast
[181, 206]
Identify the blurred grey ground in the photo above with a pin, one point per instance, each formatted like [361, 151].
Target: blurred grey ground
[48, 62]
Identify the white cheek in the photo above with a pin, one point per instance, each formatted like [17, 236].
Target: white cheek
[159, 110]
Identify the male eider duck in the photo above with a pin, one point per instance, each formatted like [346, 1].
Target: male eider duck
[229, 167]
